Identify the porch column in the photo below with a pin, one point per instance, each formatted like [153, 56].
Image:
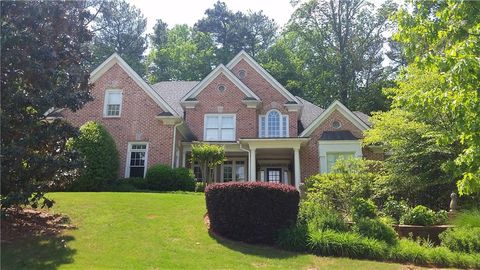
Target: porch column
[296, 158]
[252, 161]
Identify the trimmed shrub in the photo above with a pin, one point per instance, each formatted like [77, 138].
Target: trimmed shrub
[346, 244]
[420, 215]
[363, 209]
[164, 178]
[463, 239]
[184, 179]
[101, 158]
[251, 212]
[395, 209]
[199, 187]
[374, 228]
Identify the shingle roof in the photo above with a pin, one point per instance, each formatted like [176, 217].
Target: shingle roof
[173, 91]
[338, 135]
[310, 112]
[365, 118]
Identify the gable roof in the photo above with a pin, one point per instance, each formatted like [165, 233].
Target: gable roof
[173, 91]
[310, 112]
[336, 105]
[220, 69]
[116, 59]
[242, 55]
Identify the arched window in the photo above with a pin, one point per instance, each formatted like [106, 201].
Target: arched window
[273, 124]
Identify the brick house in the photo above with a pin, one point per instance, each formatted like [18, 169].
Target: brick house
[268, 134]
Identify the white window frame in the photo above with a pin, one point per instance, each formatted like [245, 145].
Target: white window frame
[340, 146]
[234, 169]
[265, 116]
[129, 152]
[105, 104]
[219, 115]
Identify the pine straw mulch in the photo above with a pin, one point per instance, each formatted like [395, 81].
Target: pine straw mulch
[24, 223]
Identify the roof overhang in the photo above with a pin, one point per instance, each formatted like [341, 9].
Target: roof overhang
[259, 143]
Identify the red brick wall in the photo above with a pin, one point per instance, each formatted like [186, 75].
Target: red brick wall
[271, 98]
[309, 155]
[137, 116]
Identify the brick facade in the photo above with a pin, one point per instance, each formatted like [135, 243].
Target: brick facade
[137, 122]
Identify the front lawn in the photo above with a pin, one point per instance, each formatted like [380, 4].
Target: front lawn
[151, 231]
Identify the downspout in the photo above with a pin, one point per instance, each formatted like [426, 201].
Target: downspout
[174, 144]
[248, 151]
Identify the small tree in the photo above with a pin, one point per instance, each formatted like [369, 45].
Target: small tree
[208, 156]
[101, 157]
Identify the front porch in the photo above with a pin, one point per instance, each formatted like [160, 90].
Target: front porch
[275, 160]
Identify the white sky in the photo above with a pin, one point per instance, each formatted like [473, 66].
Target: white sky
[190, 11]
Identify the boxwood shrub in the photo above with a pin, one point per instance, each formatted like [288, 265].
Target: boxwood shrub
[163, 178]
[252, 212]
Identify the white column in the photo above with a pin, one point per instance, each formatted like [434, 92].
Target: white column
[252, 161]
[296, 158]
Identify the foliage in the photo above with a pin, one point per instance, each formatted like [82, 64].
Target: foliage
[462, 239]
[419, 215]
[163, 178]
[184, 54]
[468, 218]
[376, 229]
[335, 48]
[199, 187]
[251, 212]
[350, 179]
[345, 244]
[208, 156]
[362, 208]
[441, 217]
[417, 169]
[43, 54]
[395, 209]
[119, 27]
[293, 238]
[320, 218]
[98, 148]
[231, 32]
[439, 87]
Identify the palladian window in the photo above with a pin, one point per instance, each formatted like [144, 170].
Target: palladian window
[273, 124]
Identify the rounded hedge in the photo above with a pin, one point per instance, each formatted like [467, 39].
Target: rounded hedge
[163, 178]
[252, 212]
[101, 157]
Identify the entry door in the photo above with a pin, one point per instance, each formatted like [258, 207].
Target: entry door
[274, 175]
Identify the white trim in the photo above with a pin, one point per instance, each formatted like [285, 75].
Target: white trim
[342, 146]
[257, 67]
[336, 105]
[220, 128]
[116, 59]
[127, 161]
[234, 169]
[220, 69]
[266, 124]
[105, 104]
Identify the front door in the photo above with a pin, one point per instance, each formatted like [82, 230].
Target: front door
[274, 175]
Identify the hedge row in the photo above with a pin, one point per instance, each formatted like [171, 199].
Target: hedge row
[252, 212]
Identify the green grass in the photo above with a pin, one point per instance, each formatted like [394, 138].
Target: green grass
[151, 231]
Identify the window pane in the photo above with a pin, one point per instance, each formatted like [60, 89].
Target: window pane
[227, 122]
[212, 134]
[227, 135]
[137, 171]
[227, 172]
[240, 170]
[284, 126]
[273, 124]
[212, 122]
[262, 126]
[114, 98]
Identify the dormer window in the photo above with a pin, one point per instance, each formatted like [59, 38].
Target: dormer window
[113, 103]
[273, 124]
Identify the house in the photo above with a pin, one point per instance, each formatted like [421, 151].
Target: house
[268, 134]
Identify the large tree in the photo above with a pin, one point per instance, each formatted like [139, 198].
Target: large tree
[253, 32]
[44, 55]
[119, 27]
[180, 53]
[338, 45]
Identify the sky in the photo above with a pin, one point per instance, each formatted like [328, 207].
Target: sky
[190, 11]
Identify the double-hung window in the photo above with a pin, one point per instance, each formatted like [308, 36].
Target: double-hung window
[219, 127]
[136, 159]
[332, 158]
[113, 103]
[233, 170]
[273, 124]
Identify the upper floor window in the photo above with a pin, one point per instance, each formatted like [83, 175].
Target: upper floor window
[219, 127]
[113, 103]
[273, 124]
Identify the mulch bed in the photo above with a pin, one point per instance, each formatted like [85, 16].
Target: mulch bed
[25, 223]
